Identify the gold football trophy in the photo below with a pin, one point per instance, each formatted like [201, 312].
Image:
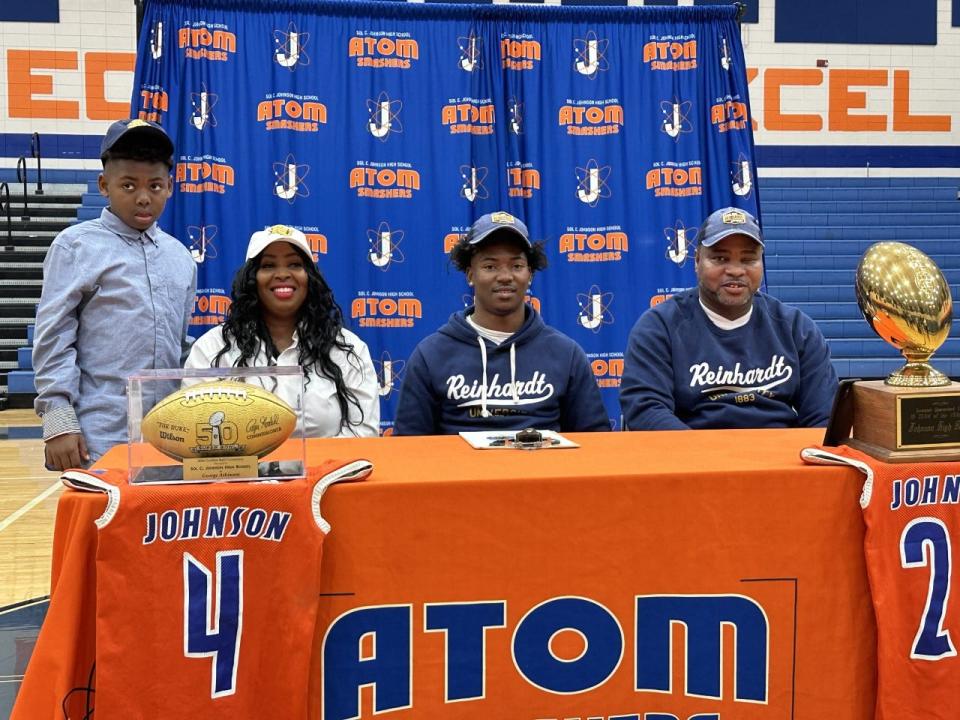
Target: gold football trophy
[915, 413]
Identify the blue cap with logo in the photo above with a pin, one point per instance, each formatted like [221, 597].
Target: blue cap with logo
[135, 127]
[499, 221]
[728, 221]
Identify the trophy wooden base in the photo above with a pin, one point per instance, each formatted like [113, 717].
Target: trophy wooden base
[906, 424]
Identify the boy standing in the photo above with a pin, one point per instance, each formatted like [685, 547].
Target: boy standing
[117, 297]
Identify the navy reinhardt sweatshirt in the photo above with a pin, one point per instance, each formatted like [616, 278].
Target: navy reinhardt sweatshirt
[455, 380]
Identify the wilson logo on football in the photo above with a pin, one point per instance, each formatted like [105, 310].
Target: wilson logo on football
[675, 179]
[385, 180]
[208, 42]
[384, 50]
[208, 174]
[671, 53]
[589, 117]
[284, 111]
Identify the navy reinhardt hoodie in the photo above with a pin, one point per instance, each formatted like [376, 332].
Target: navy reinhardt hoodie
[456, 380]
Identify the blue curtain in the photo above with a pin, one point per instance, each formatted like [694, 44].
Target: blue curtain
[382, 130]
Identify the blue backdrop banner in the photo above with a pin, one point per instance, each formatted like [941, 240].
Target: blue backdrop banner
[382, 130]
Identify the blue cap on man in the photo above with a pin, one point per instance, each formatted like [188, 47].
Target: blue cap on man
[728, 221]
[499, 221]
[149, 131]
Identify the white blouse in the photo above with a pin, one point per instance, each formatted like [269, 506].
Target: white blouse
[321, 412]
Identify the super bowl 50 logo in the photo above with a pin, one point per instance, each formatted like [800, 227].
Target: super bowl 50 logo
[475, 116]
[591, 117]
[288, 111]
[201, 40]
[594, 244]
[385, 309]
[671, 52]
[383, 49]
[519, 52]
[154, 102]
[384, 180]
[202, 174]
[675, 179]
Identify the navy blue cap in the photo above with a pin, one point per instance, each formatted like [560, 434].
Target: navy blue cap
[499, 221]
[726, 222]
[149, 131]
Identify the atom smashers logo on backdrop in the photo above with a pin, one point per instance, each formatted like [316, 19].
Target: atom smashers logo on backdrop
[729, 113]
[384, 49]
[154, 103]
[203, 174]
[288, 111]
[200, 40]
[523, 179]
[675, 179]
[591, 117]
[671, 52]
[594, 244]
[519, 51]
[210, 306]
[469, 115]
[607, 368]
[384, 180]
[385, 309]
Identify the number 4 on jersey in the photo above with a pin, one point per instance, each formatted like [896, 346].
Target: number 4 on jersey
[214, 632]
[926, 541]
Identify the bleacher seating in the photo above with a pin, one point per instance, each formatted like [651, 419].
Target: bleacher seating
[818, 228]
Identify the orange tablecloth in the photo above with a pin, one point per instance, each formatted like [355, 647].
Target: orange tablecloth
[626, 525]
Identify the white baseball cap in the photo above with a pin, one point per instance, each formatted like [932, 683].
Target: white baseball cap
[277, 233]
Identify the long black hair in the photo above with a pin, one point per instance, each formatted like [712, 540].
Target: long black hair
[319, 322]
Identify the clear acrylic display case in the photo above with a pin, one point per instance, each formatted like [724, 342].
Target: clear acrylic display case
[208, 435]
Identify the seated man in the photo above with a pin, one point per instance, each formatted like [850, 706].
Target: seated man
[496, 365]
[723, 355]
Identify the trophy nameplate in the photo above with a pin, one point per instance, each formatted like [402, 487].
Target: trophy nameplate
[914, 414]
[220, 468]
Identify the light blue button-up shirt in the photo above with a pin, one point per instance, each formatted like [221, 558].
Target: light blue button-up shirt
[115, 301]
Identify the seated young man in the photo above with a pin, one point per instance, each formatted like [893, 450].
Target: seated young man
[723, 354]
[496, 365]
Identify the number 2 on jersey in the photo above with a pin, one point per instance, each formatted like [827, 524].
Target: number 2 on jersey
[926, 541]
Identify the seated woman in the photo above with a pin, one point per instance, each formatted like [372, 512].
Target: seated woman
[283, 313]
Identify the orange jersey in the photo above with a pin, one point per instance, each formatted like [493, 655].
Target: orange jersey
[912, 517]
[207, 597]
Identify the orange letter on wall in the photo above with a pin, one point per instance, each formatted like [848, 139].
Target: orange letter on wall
[23, 84]
[773, 80]
[96, 66]
[903, 121]
[843, 100]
